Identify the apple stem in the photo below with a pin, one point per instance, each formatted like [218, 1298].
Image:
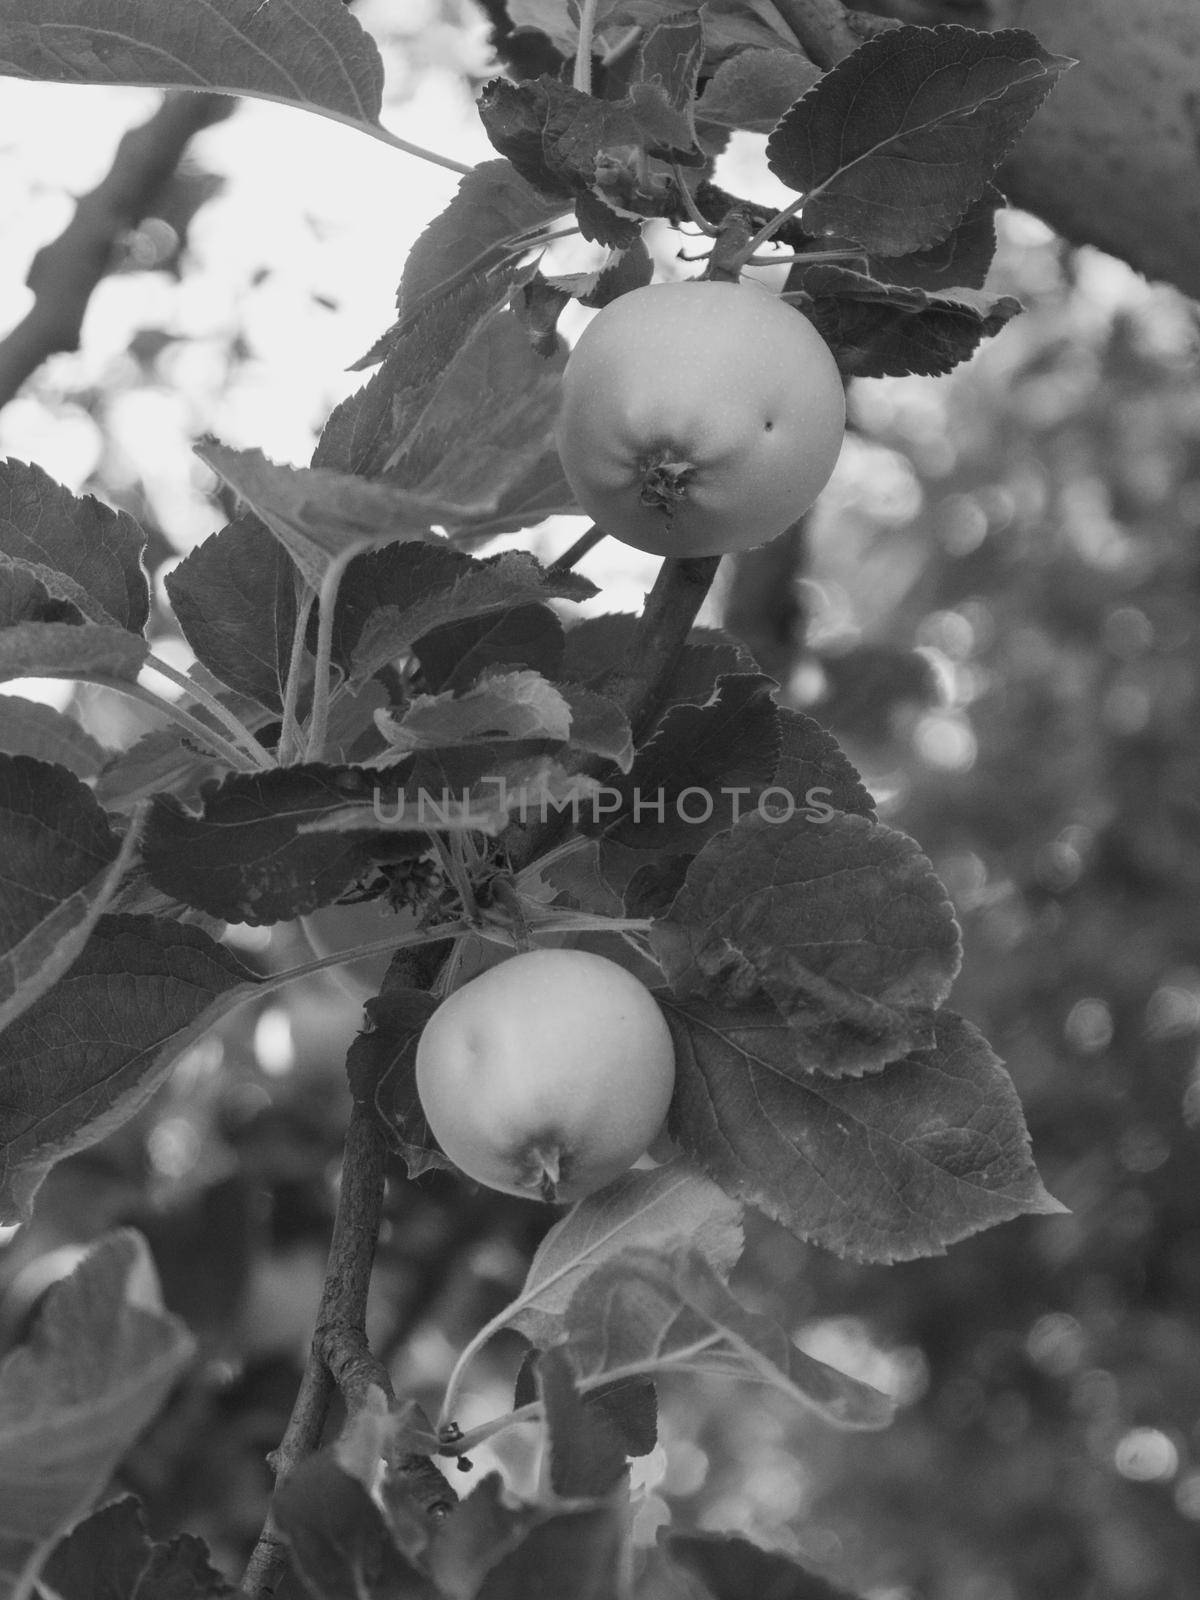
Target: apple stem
[665, 481]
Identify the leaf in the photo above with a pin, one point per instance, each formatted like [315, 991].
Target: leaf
[882, 1168]
[29, 728]
[735, 1569]
[474, 1536]
[599, 725]
[597, 648]
[630, 1406]
[235, 599]
[60, 650]
[815, 770]
[62, 866]
[309, 53]
[577, 1555]
[704, 766]
[490, 216]
[840, 921]
[390, 598]
[502, 705]
[662, 88]
[454, 655]
[110, 1556]
[641, 1208]
[340, 1544]
[250, 856]
[754, 88]
[586, 1454]
[371, 427]
[318, 515]
[878, 330]
[490, 422]
[78, 549]
[892, 146]
[87, 1055]
[666, 1310]
[959, 261]
[100, 1362]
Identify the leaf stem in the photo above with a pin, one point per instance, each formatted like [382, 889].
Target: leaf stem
[318, 722]
[231, 754]
[241, 734]
[289, 737]
[575, 553]
[667, 618]
[377, 947]
[583, 52]
[466, 1356]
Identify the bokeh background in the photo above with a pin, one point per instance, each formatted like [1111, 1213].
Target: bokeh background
[1001, 591]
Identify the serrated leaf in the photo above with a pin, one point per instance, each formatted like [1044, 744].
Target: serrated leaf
[454, 655]
[309, 53]
[101, 1359]
[641, 1208]
[390, 598]
[234, 596]
[878, 330]
[704, 766]
[319, 515]
[882, 1168]
[815, 770]
[734, 1569]
[754, 88]
[662, 87]
[251, 856]
[76, 548]
[63, 650]
[489, 219]
[82, 1059]
[29, 728]
[110, 1556]
[501, 706]
[959, 261]
[666, 1310]
[893, 144]
[502, 397]
[62, 867]
[840, 921]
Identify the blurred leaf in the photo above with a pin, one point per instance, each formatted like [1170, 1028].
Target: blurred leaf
[62, 866]
[78, 549]
[586, 1454]
[235, 599]
[29, 728]
[666, 1310]
[891, 146]
[734, 1569]
[340, 1544]
[62, 650]
[641, 1208]
[110, 1556]
[840, 921]
[309, 53]
[630, 1405]
[87, 1055]
[576, 1555]
[478, 1532]
[101, 1360]
[888, 1167]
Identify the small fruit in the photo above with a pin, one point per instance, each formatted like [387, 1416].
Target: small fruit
[699, 418]
[547, 1076]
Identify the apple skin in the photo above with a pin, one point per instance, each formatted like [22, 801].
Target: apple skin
[699, 417]
[547, 1076]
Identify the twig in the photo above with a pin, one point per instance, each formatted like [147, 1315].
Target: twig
[671, 608]
[338, 1357]
[585, 542]
[66, 271]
